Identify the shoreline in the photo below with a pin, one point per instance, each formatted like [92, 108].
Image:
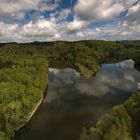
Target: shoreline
[30, 116]
[32, 113]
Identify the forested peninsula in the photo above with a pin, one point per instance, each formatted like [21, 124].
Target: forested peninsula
[24, 77]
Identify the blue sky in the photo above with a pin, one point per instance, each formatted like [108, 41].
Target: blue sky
[50, 20]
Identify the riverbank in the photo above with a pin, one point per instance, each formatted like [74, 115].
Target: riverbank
[23, 78]
[121, 123]
[23, 71]
[31, 114]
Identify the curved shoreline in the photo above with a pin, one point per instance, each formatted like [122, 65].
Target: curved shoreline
[32, 113]
[30, 116]
[37, 106]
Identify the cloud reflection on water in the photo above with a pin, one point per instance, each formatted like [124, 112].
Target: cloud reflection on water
[74, 102]
[59, 80]
[120, 76]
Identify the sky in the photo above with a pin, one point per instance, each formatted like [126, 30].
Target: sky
[69, 20]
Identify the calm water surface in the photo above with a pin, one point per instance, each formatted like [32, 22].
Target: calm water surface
[74, 102]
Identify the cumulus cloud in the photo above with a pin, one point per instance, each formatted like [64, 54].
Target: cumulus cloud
[46, 6]
[8, 32]
[131, 25]
[63, 14]
[7, 28]
[134, 13]
[69, 23]
[76, 25]
[91, 10]
[49, 30]
[80, 35]
[17, 8]
[41, 28]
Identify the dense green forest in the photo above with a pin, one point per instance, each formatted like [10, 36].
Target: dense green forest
[23, 78]
[24, 72]
[87, 56]
[123, 123]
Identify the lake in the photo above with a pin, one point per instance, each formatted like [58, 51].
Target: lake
[74, 102]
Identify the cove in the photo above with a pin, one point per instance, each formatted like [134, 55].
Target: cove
[74, 102]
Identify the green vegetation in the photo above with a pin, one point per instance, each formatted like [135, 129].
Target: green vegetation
[123, 123]
[23, 79]
[87, 56]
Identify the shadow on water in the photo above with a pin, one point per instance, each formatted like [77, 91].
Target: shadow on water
[74, 102]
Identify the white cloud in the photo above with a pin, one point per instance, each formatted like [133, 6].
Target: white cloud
[131, 25]
[46, 5]
[80, 35]
[7, 28]
[76, 25]
[8, 32]
[12, 8]
[134, 9]
[50, 30]
[42, 28]
[56, 27]
[92, 10]
[17, 8]
[63, 14]
[98, 30]
[134, 13]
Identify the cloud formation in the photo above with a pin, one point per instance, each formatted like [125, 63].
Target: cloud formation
[46, 20]
[111, 77]
[92, 10]
[18, 8]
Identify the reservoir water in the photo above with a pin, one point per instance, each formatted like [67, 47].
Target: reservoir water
[74, 102]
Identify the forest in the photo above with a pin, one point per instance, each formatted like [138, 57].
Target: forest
[87, 56]
[24, 77]
[123, 123]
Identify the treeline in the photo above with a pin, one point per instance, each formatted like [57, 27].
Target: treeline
[24, 71]
[87, 56]
[123, 123]
[23, 79]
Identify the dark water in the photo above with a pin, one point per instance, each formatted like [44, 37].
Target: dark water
[74, 102]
